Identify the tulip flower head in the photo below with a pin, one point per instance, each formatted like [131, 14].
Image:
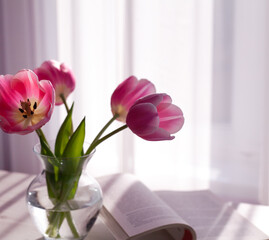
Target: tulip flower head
[155, 118]
[26, 103]
[127, 93]
[61, 77]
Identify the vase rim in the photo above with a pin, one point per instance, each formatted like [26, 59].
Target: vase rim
[37, 151]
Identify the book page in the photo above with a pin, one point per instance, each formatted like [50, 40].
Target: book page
[256, 213]
[134, 206]
[211, 218]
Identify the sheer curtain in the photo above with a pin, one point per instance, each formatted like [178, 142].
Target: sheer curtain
[172, 47]
[239, 160]
[163, 41]
[28, 36]
[207, 55]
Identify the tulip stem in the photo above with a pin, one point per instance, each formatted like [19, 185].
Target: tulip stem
[105, 127]
[97, 142]
[71, 224]
[41, 135]
[65, 103]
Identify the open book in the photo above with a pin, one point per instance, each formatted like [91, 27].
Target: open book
[132, 211]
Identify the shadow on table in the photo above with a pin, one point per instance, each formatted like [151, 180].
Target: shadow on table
[13, 209]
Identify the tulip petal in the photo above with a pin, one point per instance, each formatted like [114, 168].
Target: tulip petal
[143, 88]
[123, 89]
[4, 124]
[45, 72]
[9, 103]
[159, 135]
[67, 73]
[166, 98]
[25, 82]
[45, 106]
[154, 99]
[6, 95]
[171, 117]
[143, 119]
[46, 87]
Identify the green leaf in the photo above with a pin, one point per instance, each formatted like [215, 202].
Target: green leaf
[75, 144]
[45, 148]
[43, 141]
[64, 134]
[46, 151]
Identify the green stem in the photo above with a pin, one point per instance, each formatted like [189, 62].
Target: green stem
[97, 142]
[55, 222]
[41, 135]
[64, 101]
[71, 224]
[56, 219]
[105, 127]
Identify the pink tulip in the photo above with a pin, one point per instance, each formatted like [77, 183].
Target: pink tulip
[155, 118]
[127, 93]
[60, 76]
[26, 104]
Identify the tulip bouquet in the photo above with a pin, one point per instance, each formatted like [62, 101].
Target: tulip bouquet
[27, 100]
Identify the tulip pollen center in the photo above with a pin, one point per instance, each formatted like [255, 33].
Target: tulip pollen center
[26, 109]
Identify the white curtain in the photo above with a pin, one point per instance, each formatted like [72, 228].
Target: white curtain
[210, 56]
[239, 157]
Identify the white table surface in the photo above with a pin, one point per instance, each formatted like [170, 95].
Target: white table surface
[15, 221]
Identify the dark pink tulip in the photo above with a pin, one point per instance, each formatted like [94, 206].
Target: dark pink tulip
[155, 118]
[26, 103]
[61, 77]
[127, 93]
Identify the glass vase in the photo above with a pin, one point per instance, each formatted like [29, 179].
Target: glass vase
[63, 200]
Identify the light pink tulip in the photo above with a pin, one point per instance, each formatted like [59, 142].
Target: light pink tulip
[61, 77]
[155, 118]
[127, 93]
[26, 103]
